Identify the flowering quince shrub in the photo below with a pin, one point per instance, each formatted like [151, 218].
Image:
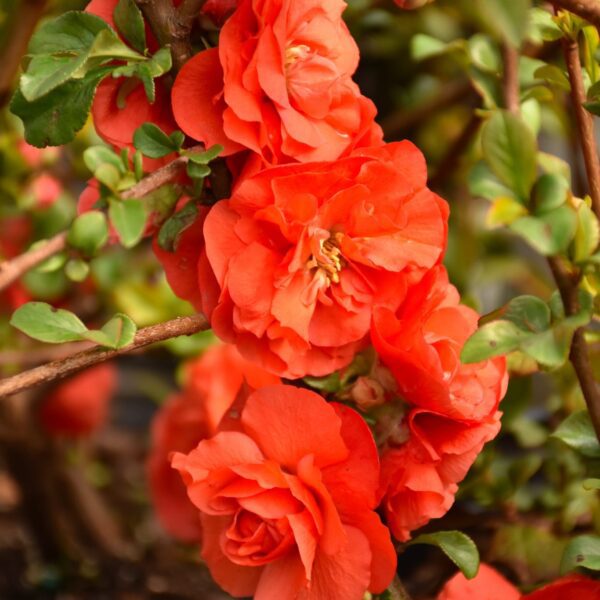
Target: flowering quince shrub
[345, 391]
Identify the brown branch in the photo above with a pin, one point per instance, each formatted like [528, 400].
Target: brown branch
[585, 121]
[22, 25]
[586, 9]
[37, 355]
[172, 26]
[11, 270]
[62, 368]
[568, 286]
[567, 282]
[511, 78]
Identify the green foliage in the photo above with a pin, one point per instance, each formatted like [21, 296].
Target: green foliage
[457, 546]
[172, 228]
[582, 551]
[578, 433]
[508, 19]
[89, 232]
[128, 217]
[510, 150]
[45, 323]
[152, 141]
[130, 22]
[529, 325]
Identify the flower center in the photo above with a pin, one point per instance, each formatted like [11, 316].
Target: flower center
[327, 257]
[295, 53]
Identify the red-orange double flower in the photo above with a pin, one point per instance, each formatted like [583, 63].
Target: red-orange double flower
[212, 385]
[287, 501]
[302, 253]
[279, 84]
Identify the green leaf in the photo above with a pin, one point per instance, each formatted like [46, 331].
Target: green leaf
[95, 156]
[529, 313]
[484, 53]
[152, 141]
[54, 119]
[48, 324]
[168, 236]
[203, 158]
[77, 270]
[130, 22]
[73, 32]
[89, 232]
[484, 184]
[582, 551]
[493, 339]
[162, 201]
[554, 76]
[128, 217]
[510, 148]
[424, 46]
[550, 233]
[330, 383]
[117, 333]
[587, 234]
[549, 192]
[457, 546]
[109, 175]
[197, 171]
[504, 211]
[69, 47]
[578, 433]
[507, 19]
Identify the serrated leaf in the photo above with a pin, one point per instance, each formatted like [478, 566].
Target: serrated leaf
[48, 324]
[529, 313]
[89, 232]
[510, 149]
[130, 22]
[578, 433]
[117, 333]
[128, 217]
[54, 119]
[152, 141]
[583, 551]
[457, 546]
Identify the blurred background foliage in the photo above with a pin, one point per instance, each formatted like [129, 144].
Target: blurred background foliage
[433, 73]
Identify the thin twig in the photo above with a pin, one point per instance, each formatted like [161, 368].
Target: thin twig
[511, 77]
[28, 13]
[13, 269]
[59, 369]
[41, 354]
[585, 121]
[579, 354]
[567, 282]
[586, 9]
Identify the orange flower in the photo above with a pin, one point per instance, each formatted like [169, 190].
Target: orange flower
[212, 384]
[79, 406]
[419, 479]
[302, 253]
[488, 584]
[287, 501]
[280, 84]
[421, 342]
